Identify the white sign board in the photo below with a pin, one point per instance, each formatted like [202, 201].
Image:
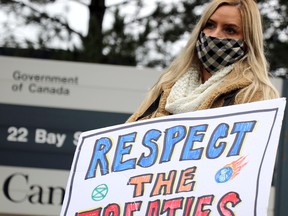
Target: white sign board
[32, 191]
[73, 85]
[44, 106]
[217, 162]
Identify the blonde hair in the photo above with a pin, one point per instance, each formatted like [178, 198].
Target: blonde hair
[254, 61]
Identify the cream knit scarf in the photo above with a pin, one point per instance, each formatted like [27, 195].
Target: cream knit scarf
[188, 92]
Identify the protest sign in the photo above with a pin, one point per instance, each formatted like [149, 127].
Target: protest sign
[211, 162]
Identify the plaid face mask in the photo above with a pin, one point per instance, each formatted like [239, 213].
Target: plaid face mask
[217, 53]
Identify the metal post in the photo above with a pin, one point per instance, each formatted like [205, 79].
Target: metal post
[281, 171]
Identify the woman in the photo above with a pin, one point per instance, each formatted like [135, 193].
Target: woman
[222, 64]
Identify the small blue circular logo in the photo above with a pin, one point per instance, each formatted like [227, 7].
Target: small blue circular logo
[100, 192]
[224, 174]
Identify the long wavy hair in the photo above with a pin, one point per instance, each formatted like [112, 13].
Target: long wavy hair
[254, 62]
